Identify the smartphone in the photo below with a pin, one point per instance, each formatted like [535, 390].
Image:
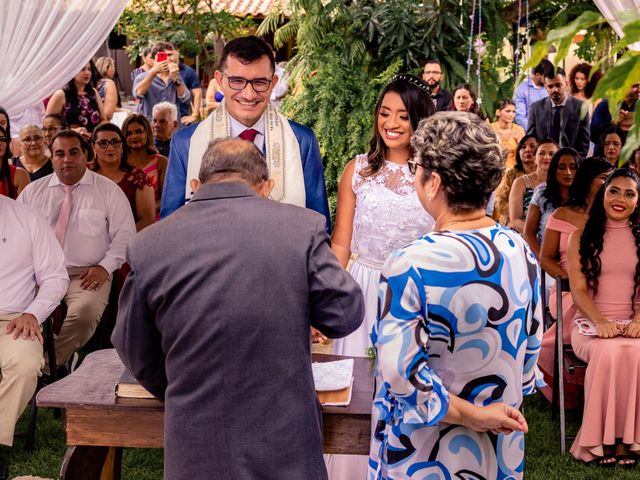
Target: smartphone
[161, 56]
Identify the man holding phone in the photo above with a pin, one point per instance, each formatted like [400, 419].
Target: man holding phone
[162, 83]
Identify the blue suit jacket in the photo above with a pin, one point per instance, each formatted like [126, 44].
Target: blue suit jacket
[175, 179]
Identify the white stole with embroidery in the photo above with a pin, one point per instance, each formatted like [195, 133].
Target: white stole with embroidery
[281, 146]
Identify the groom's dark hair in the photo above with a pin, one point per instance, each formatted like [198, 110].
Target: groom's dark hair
[247, 50]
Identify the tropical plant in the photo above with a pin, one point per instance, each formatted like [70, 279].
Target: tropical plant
[617, 79]
[193, 26]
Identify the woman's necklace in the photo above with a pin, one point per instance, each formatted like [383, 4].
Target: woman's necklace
[453, 222]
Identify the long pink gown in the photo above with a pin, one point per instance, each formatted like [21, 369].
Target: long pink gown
[612, 379]
[547, 348]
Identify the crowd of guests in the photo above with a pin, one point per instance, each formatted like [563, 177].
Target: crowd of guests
[441, 226]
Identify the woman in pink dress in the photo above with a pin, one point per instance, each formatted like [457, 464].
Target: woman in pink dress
[604, 272]
[553, 257]
[142, 152]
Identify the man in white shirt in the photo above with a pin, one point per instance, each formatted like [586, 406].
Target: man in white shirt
[93, 222]
[33, 280]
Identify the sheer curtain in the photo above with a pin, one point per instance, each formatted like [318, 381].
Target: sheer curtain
[614, 11]
[46, 42]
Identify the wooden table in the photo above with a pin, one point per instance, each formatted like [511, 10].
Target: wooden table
[98, 424]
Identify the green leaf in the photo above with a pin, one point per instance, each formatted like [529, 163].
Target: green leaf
[618, 80]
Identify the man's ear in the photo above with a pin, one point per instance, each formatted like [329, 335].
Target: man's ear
[195, 184]
[265, 188]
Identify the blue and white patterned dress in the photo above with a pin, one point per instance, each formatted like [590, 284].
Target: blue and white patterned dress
[459, 313]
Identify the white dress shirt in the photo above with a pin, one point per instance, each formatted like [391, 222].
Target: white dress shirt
[236, 128]
[101, 223]
[33, 276]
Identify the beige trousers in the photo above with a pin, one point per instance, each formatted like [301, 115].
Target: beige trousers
[20, 364]
[84, 311]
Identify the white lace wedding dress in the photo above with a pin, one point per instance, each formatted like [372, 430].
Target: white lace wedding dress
[388, 216]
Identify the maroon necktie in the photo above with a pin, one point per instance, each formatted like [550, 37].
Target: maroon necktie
[249, 134]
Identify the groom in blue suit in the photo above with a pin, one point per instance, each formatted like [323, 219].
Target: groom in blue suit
[246, 78]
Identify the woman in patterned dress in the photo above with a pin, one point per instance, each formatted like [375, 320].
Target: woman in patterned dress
[459, 325]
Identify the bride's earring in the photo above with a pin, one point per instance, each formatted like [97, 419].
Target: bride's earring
[429, 196]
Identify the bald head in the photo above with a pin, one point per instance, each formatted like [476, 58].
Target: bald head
[228, 159]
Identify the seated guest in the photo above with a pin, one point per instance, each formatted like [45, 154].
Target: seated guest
[604, 276]
[464, 100]
[550, 195]
[522, 189]
[5, 122]
[111, 161]
[602, 117]
[52, 124]
[79, 102]
[525, 163]
[261, 330]
[106, 86]
[590, 176]
[634, 162]
[611, 144]
[163, 125]
[33, 159]
[93, 222]
[437, 383]
[510, 133]
[12, 179]
[142, 153]
[581, 86]
[559, 116]
[33, 280]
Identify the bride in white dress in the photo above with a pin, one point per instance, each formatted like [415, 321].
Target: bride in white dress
[378, 212]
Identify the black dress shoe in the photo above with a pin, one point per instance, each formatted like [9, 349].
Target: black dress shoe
[4, 469]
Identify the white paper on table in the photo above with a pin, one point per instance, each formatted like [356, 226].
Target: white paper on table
[329, 376]
[586, 327]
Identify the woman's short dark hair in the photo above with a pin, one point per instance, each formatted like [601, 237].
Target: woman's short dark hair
[592, 82]
[519, 165]
[59, 118]
[589, 169]
[552, 190]
[140, 120]
[592, 238]
[110, 127]
[465, 152]
[5, 171]
[415, 96]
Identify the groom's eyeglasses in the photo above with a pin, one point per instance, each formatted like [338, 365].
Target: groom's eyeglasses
[413, 166]
[240, 83]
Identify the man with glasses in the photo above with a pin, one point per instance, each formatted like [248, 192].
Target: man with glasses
[92, 220]
[432, 75]
[246, 78]
[162, 82]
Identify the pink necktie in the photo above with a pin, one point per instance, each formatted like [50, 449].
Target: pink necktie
[249, 134]
[65, 214]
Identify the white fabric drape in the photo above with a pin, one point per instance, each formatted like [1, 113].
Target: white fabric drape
[45, 43]
[615, 10]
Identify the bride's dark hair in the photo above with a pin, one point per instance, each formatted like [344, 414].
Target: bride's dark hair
[416, 99]
[592, 238]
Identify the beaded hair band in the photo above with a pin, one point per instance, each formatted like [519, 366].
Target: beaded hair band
[412, 80]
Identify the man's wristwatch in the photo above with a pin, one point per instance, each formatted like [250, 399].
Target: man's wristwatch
[178, 81]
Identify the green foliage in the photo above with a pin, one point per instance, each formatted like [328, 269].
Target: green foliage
[188, 24]
[617, 80]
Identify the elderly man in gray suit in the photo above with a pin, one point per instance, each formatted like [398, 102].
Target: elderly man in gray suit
[215, 318]
[559, 115]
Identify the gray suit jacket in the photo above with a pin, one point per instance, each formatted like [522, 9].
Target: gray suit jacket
[214, 319]
[574, 131]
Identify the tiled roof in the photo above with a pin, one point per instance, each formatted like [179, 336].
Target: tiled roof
[245, 7]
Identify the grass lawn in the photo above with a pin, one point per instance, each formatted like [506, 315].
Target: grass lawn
[543, 460]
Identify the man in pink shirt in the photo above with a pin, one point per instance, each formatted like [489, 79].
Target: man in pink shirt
[92, 220]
